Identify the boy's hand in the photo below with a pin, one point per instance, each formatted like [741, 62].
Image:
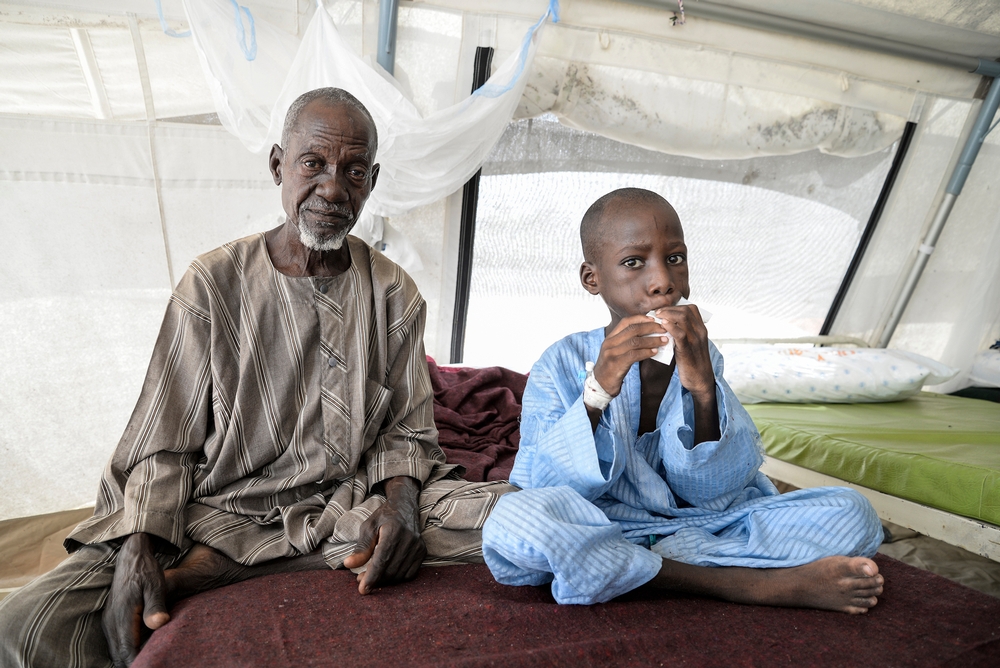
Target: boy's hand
[628, 343]
[694, 362]
[694, 366]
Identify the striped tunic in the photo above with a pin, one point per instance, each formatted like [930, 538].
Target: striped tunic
[272, 409]
[594, 503]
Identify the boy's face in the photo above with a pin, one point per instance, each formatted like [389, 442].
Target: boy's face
[642, 261]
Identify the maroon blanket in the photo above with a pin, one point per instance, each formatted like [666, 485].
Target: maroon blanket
[460, 616]
[477, 412]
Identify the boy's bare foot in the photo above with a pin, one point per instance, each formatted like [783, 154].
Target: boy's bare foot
[844, 584]
[847, 584]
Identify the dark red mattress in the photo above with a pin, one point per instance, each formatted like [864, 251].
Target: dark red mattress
[459, 616]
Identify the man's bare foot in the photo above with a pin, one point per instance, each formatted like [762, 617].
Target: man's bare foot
[202, 568]
[844, 584]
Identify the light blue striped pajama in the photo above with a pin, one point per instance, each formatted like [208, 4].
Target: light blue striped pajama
[598, 511]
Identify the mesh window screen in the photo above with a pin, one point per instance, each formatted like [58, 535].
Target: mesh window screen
[769, 238]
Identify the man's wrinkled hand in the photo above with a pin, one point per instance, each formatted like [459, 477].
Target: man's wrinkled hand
[389, 541]
[136, 601]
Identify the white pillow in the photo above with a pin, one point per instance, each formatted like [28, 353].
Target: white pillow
[986, 369]
[790, 374]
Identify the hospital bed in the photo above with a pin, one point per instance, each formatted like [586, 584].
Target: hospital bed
[930, 463]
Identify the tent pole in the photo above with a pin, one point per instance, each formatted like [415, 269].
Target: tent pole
[762, 21]
[869, 231]
[147, 94]
[388, 11]
[955, 184]
[91, 72]
[467, 234]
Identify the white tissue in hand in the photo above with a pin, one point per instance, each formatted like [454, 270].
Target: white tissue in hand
[665, 355]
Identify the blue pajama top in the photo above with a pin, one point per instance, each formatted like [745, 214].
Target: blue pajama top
[638, 482]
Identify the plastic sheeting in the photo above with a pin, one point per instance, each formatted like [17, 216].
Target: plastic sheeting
[86, 276]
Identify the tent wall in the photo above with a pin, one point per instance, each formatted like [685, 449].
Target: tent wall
[102, 208]
[86, 279]
[955, 310]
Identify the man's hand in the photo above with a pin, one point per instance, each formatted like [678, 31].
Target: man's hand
[390, 539]
[629, 342]
[136, 600]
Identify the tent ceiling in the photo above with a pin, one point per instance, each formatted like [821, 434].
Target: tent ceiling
[966, 27]
[290, 15]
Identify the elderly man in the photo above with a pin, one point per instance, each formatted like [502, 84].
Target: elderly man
[285, 423]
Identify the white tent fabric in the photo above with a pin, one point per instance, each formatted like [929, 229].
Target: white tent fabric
[115, 172]
[423, 159]
[955, 311]
[707, 119]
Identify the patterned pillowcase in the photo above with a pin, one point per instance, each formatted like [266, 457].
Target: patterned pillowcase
[787, 374]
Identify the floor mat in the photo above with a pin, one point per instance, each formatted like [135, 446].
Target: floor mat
[30, 546]
[952, 562]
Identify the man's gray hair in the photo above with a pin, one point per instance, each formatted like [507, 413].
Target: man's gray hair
[333, 97]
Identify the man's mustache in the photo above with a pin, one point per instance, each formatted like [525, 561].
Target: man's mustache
[327, 210]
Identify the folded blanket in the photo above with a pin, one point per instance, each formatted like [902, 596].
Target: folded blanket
[477, 413]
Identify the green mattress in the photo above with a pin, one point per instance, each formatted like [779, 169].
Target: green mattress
[938, 450]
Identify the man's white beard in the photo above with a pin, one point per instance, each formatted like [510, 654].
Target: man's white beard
[332, 242]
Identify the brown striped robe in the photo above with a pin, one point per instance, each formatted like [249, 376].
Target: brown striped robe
[272, 409]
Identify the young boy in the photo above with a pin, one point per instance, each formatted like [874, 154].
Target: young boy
[639, 472]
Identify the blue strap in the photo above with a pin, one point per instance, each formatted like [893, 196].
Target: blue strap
[496, 90]
[249, 52]
[167, 30]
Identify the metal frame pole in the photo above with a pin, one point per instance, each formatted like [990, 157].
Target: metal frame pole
[467, 234]
[955, 184]
[781, 24]
[388, 12]
[869, 231]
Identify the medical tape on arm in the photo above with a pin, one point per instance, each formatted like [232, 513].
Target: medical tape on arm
[593, 394]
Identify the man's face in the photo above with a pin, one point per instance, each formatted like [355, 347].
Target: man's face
[642, 261]
[325, 172]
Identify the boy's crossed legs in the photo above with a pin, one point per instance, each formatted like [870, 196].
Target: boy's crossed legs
[554, 535]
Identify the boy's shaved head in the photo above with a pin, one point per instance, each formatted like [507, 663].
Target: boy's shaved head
[591, 228]
[635, 255]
